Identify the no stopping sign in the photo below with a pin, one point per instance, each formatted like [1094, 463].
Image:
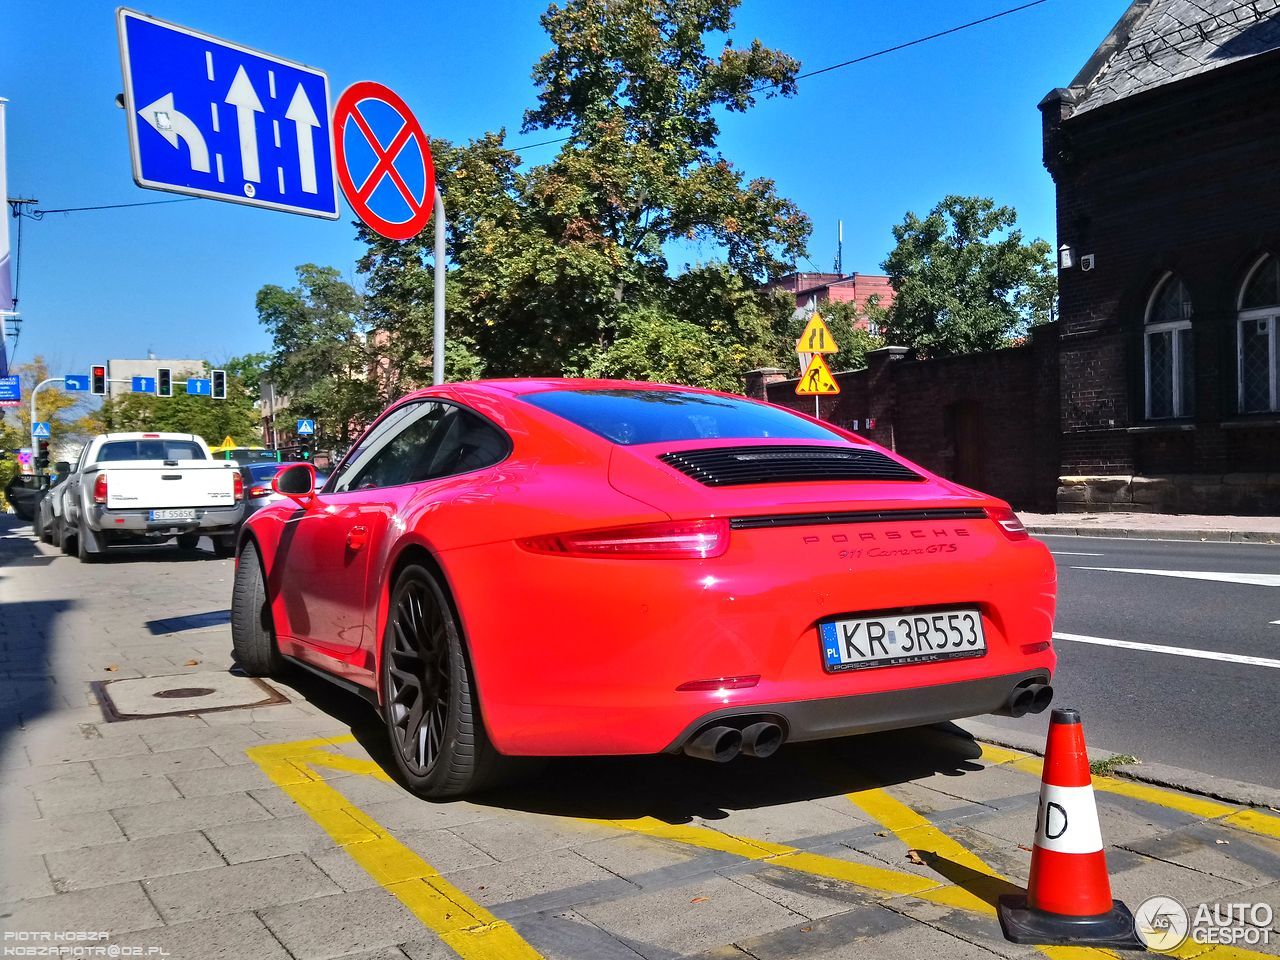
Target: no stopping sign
[383, 160]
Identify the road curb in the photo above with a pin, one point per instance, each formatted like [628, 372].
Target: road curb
[1157, 533]
[1156, 774]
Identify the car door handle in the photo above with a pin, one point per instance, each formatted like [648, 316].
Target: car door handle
[357, 537]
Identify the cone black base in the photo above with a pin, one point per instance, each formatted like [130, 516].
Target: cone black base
[1113, 929]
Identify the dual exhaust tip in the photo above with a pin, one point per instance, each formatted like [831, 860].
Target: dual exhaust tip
[722, 743]
[1033, 698]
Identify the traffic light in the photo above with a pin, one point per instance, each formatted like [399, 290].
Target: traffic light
[218, 385]
[164, 382]
[98, 379]
[42, 456]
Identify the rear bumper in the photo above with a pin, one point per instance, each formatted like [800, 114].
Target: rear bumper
[873, 712]
[210, 520]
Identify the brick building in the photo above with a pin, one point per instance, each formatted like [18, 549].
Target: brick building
[812, 290]
[1163, 150]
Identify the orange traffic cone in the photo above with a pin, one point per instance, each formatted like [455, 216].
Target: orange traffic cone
[1068, 898]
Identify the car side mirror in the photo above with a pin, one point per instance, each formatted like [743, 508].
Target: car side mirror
[297, 482]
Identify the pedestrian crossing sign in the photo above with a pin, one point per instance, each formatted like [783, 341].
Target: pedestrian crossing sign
[817, 380]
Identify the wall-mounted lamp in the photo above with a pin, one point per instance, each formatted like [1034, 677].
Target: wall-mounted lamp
[1066, 257]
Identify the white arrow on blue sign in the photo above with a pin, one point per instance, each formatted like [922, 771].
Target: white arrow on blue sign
[306, 428]
[40, 430]
[213, 119]
[200, 387]
[143, 384]
[74, 382]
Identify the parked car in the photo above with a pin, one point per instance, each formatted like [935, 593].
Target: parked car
[48, 518]
[148, 487]
[534, 567]
[23, 492]
[257, 485]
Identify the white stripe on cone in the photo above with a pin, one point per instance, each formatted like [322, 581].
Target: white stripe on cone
[1067, 821]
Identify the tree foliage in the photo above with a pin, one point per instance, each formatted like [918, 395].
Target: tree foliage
[564, 267]
[849, 325]
[965, 279]
[321, 356]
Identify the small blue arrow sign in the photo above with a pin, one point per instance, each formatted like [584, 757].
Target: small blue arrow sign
[144, 384]
[40, 430]
[306, 428]
[76, 382]
[200, 387]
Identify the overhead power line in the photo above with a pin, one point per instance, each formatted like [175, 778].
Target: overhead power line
[40, 214]
[849, 63]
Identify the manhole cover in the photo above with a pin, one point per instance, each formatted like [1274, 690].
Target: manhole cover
[135, 697]
[184, 693]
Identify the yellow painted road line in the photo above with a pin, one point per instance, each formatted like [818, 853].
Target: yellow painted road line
[468, 928]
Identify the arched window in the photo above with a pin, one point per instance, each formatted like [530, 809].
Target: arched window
[1167, 351]
[1259, 311]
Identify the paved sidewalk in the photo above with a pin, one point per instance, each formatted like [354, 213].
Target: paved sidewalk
[1156, 526]
[275, 832]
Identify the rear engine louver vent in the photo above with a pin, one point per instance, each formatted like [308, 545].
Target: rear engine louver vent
[732, 466]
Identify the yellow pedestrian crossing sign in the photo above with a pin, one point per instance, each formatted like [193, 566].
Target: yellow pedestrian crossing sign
[817, 337]
[817, 380]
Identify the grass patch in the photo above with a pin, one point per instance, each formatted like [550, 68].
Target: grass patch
[1103, 768]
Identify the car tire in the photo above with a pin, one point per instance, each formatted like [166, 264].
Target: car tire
[224, 547]
[68, 543]
[253, 637]
[427, 679]
[188, 541]
[56, 533]
[82, 547]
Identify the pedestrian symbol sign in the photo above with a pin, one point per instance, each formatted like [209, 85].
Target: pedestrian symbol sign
[817, 337]
[817, 380]
[40, 430]
[306, 428]
[214, 119]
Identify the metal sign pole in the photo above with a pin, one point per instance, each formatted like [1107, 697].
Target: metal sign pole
[437, 346]
[817, 408]
[42, 383]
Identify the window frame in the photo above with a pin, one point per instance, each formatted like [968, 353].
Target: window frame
[1271, 314]
[331, 485]
[1180, 407]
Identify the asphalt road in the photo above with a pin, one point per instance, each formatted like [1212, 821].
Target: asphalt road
[1199, 712]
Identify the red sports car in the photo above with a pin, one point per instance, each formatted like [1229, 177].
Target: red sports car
[576, 567]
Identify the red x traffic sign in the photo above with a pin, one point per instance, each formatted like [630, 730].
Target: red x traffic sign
[377, 167]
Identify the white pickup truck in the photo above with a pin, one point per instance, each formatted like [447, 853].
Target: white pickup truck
[149, 487]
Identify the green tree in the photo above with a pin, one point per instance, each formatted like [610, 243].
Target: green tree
[70, 415]
[321, 358]
[850, 328]
[564, 267]
[965, 279]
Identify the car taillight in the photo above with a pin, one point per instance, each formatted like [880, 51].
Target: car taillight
[237, 487]
[690, 539]
[256, 493]
[100, 489]
[1008, 522]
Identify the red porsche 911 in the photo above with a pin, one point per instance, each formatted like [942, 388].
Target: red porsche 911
[585, 567]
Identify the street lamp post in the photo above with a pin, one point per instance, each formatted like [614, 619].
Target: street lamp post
[42, 383]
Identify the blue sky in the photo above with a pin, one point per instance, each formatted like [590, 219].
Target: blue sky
[866, 143]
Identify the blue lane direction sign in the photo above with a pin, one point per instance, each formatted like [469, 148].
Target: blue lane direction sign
[214, 119]
[76, 382]
[143, 384]
[40, 430]
[11, 390]
[306, 428]
[200, 387]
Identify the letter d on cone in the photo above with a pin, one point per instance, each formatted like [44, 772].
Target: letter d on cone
[1068, 899]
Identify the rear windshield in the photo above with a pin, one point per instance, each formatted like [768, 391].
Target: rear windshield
[264, 471]
[655, 416]
[151, 450]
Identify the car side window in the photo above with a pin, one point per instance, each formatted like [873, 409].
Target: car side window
[422, 441]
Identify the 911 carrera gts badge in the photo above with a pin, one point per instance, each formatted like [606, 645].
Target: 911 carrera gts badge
[918, 541]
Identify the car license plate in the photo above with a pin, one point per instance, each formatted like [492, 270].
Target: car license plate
[173, 514]
[895, 639]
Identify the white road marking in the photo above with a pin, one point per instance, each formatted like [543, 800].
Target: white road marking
[1252, 579]
[213, 109]
[1072, 553]
[1275, 623]
[1176, 651]
[218, 158]
[208, 69]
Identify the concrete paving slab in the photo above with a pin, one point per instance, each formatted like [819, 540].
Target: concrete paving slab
[803, 894]
[67, 833]
[243, 841]
[445, 851]
[192, 813]
[562, 934]
[156, 764]
[240, 936]
[102, 866]
[1135, 877]
[115, 909]
[538, 882]
[219, 780]
[1218, 850]
[631, 856]
[24, 878]
[520, 835]
[233, 889]
[333, 926]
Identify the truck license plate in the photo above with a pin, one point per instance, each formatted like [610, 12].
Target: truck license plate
[173, 514]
